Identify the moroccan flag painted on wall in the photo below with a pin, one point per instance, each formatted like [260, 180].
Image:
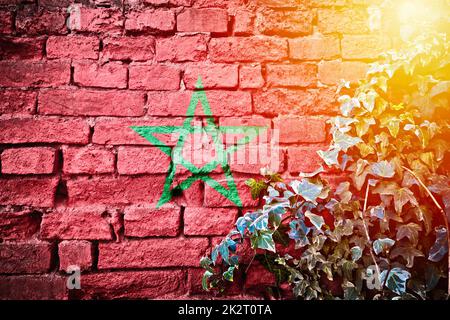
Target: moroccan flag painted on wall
[128, 130]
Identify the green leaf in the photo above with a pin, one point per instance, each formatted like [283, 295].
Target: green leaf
[408, 253]
[315, 219]
[383, 169]
[309, 190]
[228, 275]
[410, 231]
[356, 253]
[440, 246]
[350, 291]
[264, 240]
[205, 279]
[256, 187]
[396, 280]
[382, 245]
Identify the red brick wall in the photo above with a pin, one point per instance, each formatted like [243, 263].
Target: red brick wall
[79, 187]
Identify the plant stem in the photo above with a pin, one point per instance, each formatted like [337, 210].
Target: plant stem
[443, 215]
[251, 261]
[366, 229]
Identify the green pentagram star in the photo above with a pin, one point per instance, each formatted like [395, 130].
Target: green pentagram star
[215, 132]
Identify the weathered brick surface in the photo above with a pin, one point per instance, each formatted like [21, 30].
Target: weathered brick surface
[35, 160]
[27, 257]
[87, 102]
[34, 73]
[90, 160]
[17, 102]
[75, 253]
[146, 253]
[207, 221]
[146, 221]
[78, 186]
[76, 47]
[86, 223]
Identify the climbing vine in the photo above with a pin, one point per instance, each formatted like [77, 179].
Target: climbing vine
[382, 233]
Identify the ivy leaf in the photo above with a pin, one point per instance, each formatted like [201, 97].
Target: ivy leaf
[264, 240]
[344, 141]
[228, 275]
[330, 156]
[440, 246]
[383, 169]
[368, 100]
[356, 253]
[408, 253]
[350, 291]
[343, 192]
[377, 212]
[348, 104]
[402, 196]
[241, 225]
[205, 278]
[410, 231]
[396, 280]
[256, 187]
[432, 276]
[382, 245]
[312, 174]
[425, 215]
[315, 219]
[310, 191]
[298, 232]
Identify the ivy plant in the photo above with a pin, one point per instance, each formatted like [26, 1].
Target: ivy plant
[382, 233]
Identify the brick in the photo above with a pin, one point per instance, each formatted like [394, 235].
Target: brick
[284, 75]
[33, 287]
[34, 73]
[33, 22]
[133, 285]
[90, 160]
[87, 223]
[350, 21]
[86, 102]
[17, 102]
[258, 48]
[140, 48]
[154, 77]
[99, 20]
[118, 132]
[147, 221]
[246, 121]
[26, 257]
[272, 22]
[244, 21]
[150, 20]
[314, 48]
[140, 160]
[203, 20]
[250, 77]
[48, 130]
[364, 47]
[208, 221]
[122, 190]
[76, 47]
[331, 3]
[303, 159]
[279, 3]
[28, 191]
[18, 225]
[182, 48]
[215, 199]
[222, 103]
[21, 48]
[300, 129]
[331, 72]
[75, 253]
[179, 252]
[37, 160]
[284, 101]
[259, 276]
[214, 76]
[6, 22]
[93, 74]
